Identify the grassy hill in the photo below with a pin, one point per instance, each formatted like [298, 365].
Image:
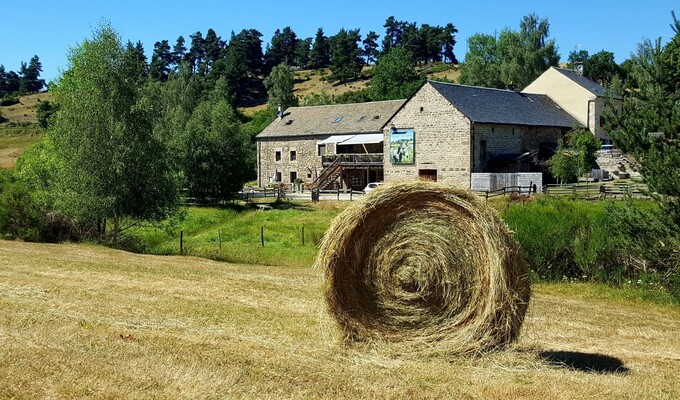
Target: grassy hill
[85, 322]
[21, 129]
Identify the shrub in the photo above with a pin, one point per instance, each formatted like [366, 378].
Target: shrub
[19, 216]
[610, 242]
[9, 101]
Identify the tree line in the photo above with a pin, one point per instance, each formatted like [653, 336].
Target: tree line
[27, 80]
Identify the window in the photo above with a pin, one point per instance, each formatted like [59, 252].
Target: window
[321, 149]
[337, 119]
[602, 121]
[482, 148]
[278, 177]
[293, 155]
[293, 176]
[278, 155]
[428, 174]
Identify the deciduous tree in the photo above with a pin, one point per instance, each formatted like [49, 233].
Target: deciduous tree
[279, 86]
[110, 164]
[394, 76]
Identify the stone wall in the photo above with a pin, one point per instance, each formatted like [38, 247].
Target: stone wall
[307, 164]
[442, 139]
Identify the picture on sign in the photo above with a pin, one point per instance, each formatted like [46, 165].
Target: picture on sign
[402, 146]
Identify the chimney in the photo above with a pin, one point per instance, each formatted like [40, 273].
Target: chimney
[279, 113]
[511, 86]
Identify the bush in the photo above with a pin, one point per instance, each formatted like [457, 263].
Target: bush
[9, 101]
[610, 242]
[19, 216]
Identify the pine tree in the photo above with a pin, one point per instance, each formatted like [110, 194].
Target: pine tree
[320, 55]
[159, 69]
[370, 50]
[346, 62]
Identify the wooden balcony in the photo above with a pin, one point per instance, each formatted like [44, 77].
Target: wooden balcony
[370, 160]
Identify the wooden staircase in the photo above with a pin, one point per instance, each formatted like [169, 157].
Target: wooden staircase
[328, 175]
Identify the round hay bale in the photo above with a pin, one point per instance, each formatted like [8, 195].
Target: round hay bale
[421, 262]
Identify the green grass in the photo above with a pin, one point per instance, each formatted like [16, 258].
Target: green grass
[240, 232]
[14, 140]
[533, 223]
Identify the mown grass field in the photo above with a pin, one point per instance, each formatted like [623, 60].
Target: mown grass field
[82, 321]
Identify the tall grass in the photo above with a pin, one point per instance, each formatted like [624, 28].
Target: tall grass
[611, 242]
[241, 234]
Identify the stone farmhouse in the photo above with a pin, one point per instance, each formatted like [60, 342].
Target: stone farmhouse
[582, 98]
[446, 132]
[344, 140]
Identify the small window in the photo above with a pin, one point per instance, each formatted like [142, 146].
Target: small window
[602, 121]
[482, 148]
[321, 150]
[337, 119]
[278, 155]
[278, 177]
[309, 176]
[428, 174]
[293, 155]
[361, 118]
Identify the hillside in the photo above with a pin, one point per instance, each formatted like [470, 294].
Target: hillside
[314, 81]
[21, 131]
[81, 321]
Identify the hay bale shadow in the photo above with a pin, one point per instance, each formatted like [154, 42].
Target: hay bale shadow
[586, 362]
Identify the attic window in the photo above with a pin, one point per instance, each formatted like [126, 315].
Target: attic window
[337, 119]
[363, 117]
[376, 117]
[290, 121]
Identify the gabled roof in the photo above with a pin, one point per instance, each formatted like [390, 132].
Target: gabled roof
[587, 84]
[499, 106]
[336, 119]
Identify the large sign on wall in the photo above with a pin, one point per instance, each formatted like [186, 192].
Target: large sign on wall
[402, 146]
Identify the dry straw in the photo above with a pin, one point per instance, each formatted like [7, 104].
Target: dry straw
[426, 267]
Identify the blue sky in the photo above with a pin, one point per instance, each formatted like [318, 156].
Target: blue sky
[49, 27]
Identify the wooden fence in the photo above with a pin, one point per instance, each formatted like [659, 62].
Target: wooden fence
[595, 190]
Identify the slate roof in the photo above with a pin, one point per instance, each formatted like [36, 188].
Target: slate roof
[587, 84]
[499, 106]
[333, 119]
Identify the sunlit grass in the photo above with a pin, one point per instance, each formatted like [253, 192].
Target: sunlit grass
[241, 234]
[83, 321]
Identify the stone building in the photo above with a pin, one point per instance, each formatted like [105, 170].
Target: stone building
[450, 131]
[581, 97]
[445, 132]
[297, 146]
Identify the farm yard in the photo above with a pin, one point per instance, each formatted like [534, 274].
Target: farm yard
[84, 321]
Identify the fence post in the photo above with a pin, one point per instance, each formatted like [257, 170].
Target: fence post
[262, 235]
[486, 196]
[303, 234]
[573, 190]
[350, 194]
[338, 194]
[181, 242]
[219, 238]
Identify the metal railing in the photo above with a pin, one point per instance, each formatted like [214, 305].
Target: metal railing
[349, 160]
